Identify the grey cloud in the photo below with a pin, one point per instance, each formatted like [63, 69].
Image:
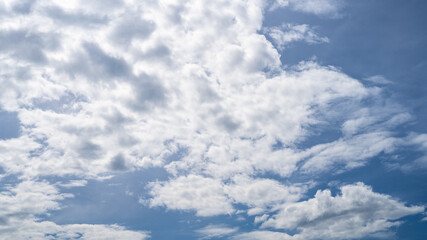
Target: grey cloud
[149, 93]
[112, 66]
[127, 140]
[118, 163]
[228, 123]
[159, 52]
[89, 150]
[23, 6]
[22, 73]
[27, 45]
[79, 19]
[94, 63]
[132, 27]
[103, 4]
[116, 118]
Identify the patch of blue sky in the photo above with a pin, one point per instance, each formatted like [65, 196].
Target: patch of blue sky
[9, 125]
[117, 201]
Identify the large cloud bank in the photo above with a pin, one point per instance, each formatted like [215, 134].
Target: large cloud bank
[109, 86]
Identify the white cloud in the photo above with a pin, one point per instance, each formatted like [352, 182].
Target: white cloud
[215, 231]
[264, 235]
[262, 193]
[208, 90]
[419, 142]
[107, 86]
[348, 153]
[357, 213]
[49, 230]
[288, 33]
[209, 196]
[205, 195]
[329, 8]
[73, 183]
[378, 79]
[21, 205]
[319, 7]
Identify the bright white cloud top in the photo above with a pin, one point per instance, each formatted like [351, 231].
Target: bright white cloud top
[196, 88]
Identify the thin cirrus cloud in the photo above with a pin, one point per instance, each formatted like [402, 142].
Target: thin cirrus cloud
[107, 87]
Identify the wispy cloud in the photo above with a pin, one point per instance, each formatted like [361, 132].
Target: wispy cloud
[288, 33]
[328, 8]
[216, 231]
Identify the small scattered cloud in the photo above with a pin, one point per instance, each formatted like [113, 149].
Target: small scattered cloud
[204, 195]
[73, 183]
[378, 79]
[324, 8]
[288, 33]
[216, 231]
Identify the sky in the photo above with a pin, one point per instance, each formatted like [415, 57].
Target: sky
[198, 119]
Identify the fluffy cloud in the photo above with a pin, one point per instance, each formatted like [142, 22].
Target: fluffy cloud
[357, 213]
[262, 193]
[109, 98]
[209, 197]
[107, 86]
[204, 195]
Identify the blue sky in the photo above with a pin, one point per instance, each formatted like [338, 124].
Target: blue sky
[298, 119]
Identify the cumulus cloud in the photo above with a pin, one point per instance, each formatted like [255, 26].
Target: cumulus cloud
[357, 213]
[101, 87]
[101, 103]
[210, 197]
[262, 193]
[205, 195]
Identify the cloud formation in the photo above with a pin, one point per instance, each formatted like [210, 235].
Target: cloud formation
[21, 204]
[288, 33]
[357, 213]
[196, 88]
[215, 231]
